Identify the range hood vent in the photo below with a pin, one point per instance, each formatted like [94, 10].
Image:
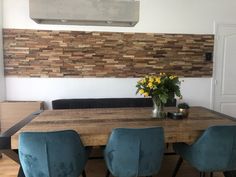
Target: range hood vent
[85, 12]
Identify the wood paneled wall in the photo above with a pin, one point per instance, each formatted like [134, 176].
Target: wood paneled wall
[44, 53]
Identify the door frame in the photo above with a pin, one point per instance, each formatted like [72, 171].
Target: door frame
[217, 26]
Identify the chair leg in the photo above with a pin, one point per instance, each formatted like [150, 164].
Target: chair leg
[202, 174]
[108, 173]
[230, 173]
[167, 145]
[83, 173]
[177, 166]
[211, 174]
[20, 172]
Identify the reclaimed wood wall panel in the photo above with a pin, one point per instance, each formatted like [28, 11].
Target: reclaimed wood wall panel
[46, 53]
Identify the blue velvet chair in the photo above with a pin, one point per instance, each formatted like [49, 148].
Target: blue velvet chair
[214, 151]
[52, 154]
[134, 152]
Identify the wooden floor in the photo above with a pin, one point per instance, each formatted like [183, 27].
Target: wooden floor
[96, 168]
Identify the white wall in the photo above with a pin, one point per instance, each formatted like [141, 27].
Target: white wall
[162, 16]
[157, 16]
[196, 91]
[2, 80]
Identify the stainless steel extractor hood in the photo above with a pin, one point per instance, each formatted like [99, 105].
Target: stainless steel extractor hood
[85, 12]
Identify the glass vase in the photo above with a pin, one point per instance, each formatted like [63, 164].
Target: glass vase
[158, 108]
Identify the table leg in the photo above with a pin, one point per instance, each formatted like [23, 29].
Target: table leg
[12, 154]
[5, 148]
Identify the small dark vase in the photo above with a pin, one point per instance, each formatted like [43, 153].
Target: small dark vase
[184, 109]
[185, 112]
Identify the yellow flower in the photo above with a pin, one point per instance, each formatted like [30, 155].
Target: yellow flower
[158, 80]
[150, 85]
[142, 81]
[172, 77]
[141, 91]
[145, 94]
[151, 79]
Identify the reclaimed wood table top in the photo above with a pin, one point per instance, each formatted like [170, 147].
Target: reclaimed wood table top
[95, 125]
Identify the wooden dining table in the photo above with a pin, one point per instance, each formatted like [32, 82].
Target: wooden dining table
[95, 125]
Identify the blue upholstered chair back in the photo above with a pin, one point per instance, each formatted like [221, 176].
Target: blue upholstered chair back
[218, 147]
[135, 152]
[53, 154]
[215, 150]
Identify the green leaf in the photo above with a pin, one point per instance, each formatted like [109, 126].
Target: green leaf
[163, 97]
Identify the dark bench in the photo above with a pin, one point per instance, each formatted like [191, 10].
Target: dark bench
[105, 103]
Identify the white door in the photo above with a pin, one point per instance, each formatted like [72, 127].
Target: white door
[224, 97]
